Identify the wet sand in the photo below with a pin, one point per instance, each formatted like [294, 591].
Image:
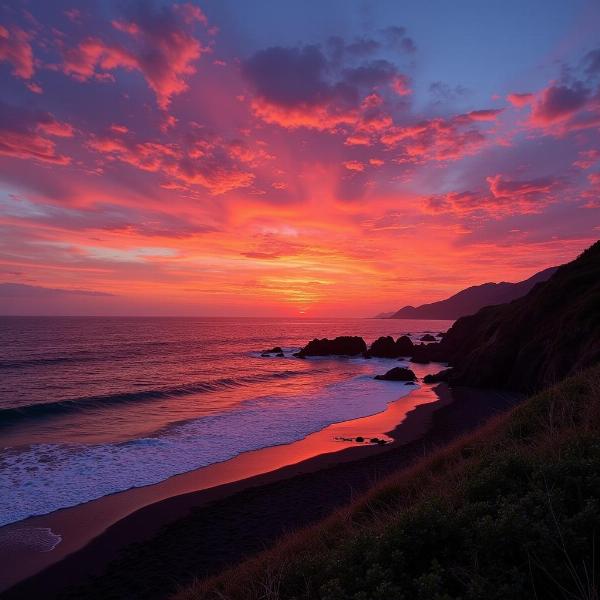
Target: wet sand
[213, 500]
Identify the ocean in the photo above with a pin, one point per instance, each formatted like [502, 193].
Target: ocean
[90, 406]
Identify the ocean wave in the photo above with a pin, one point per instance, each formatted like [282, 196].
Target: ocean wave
[45, 477]
[11, 415]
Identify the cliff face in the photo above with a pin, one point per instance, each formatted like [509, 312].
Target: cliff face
[470, 300]
[532, 342]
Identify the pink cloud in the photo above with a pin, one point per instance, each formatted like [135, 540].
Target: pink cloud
[500, 187]
[162, 47]
[322, 117]
[480, 115]
[520, 100]
[506, 197]
[214, 164]
[435, 139]
[25, 135]
[587, 158]
[15, 48]
[401, 86]
[354, 165]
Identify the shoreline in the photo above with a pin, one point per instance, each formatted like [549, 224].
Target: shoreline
[80, 525]
[420, 427]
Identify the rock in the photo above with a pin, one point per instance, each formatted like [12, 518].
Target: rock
[386, 347]
[276, 350]
[340, 346]
[404, 345]
[443, 375]
[360, 439]
[397, 374]
[410, 383]
[440, 334]
[427, 338]
[425, 353]
[280, 355]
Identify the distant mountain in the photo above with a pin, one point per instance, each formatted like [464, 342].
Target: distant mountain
[534, 341]
[384, 315]
[470, 300]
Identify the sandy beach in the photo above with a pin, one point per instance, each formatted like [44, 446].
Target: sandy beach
[203, 509]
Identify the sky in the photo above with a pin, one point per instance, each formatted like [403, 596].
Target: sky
[280, 158]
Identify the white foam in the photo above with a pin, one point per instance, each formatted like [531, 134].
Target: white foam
[45, 477]
[40, 539]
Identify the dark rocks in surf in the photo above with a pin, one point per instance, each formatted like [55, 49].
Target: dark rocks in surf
[280, 355]
[386, 347]
[426, 353]
[275, 350]
[427, 338]
[404, 345]
[397, 374]
[344, 345]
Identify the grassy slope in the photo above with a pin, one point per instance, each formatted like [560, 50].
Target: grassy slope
[512, 511]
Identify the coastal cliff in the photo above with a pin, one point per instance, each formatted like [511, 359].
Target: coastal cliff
[532, 342]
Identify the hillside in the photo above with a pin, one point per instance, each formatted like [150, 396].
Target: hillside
[470, 300]
[509, 512]
[534, 341]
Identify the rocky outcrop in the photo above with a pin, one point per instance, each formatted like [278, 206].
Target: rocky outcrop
[386, 347]
[427, 338]
[398, 374]
[340, 346]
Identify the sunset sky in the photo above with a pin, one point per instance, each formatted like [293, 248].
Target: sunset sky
[326, 158]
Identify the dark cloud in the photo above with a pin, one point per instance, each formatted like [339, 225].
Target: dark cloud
[592, 62]
[339, 71]
[372, 74]
[290, 76]
[397, 39]
[560, 101]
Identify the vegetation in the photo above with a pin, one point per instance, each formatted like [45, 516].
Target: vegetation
[511, 511]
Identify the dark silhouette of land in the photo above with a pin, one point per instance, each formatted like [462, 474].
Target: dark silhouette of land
[471, 299]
